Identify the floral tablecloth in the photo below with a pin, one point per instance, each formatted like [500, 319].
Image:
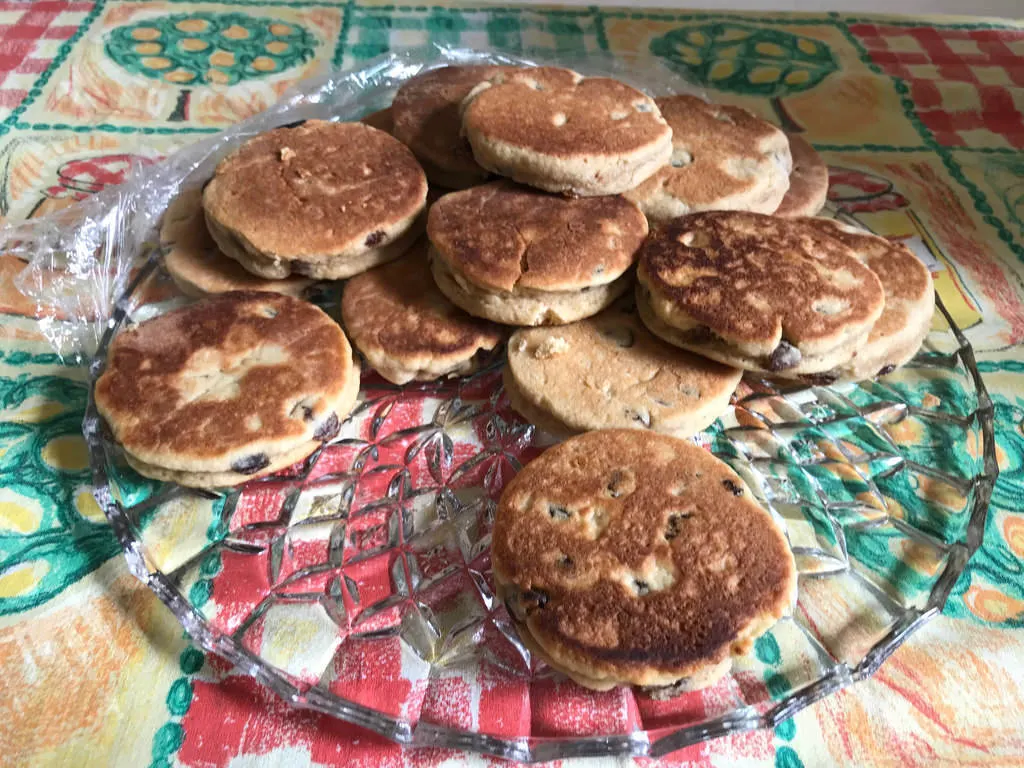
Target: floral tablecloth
[922, 124]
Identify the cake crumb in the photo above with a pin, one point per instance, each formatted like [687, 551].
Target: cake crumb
[555, 345]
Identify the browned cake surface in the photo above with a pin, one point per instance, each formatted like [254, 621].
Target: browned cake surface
[808, 183]
[317, 190]
[228, 378]
[713, 145]
[630, 552]
[427, 117]
[502, 236]
[610, 371]
[557, 112]
[195, 262]
[755, 280]
[905, 279]
[398, 310]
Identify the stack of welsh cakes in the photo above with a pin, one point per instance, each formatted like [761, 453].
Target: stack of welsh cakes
[640, 254]
[252, 379]
[568, 192]
[707, 209]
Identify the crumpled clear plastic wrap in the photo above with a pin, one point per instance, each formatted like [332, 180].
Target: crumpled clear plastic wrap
[81, 259]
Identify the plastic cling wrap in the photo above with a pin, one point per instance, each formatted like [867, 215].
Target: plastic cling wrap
[81, 259]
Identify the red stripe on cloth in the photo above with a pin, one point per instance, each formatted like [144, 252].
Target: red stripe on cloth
[926, 94]
[504, 702]
[10, 98]
[18, 38]
[38, 18]
[1001, 55]
[33, 66]
[449, 702]
[954, 69]
[394, 691]
[998, 113]
[947, 125]
[24, 33]
[965, 121]
[53, 7]
[9, 62]
[1008, 35]
[560, 707]
[895, 58]
[60, 32]
[56, 6]
[946, 138]
[17, 46]
[868, 31]
[997, 99]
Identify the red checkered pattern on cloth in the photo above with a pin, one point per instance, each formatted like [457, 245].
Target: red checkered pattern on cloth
[961, 80]
[30, 36]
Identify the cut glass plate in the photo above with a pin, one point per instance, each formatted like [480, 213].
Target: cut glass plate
[358, 583]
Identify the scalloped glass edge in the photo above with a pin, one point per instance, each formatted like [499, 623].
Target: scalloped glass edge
[539, 749]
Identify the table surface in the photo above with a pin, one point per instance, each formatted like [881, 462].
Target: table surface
[919, 119]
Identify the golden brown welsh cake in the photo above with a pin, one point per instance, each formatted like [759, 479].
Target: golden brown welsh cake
[230, 388]
[556, 130]
[610, 371]
[808, 181]
[195, 263]
[406, 328]
[909, 303]
[324, 200]
[515, 255]
[228, 478]
[636, 558]
[427, 119]
[779, 296]
[723, 158]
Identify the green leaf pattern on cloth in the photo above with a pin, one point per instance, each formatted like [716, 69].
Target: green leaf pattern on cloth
[51, 531]
[209, 49]
[746, 59]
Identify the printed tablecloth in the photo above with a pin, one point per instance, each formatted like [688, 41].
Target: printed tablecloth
[921, 123]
